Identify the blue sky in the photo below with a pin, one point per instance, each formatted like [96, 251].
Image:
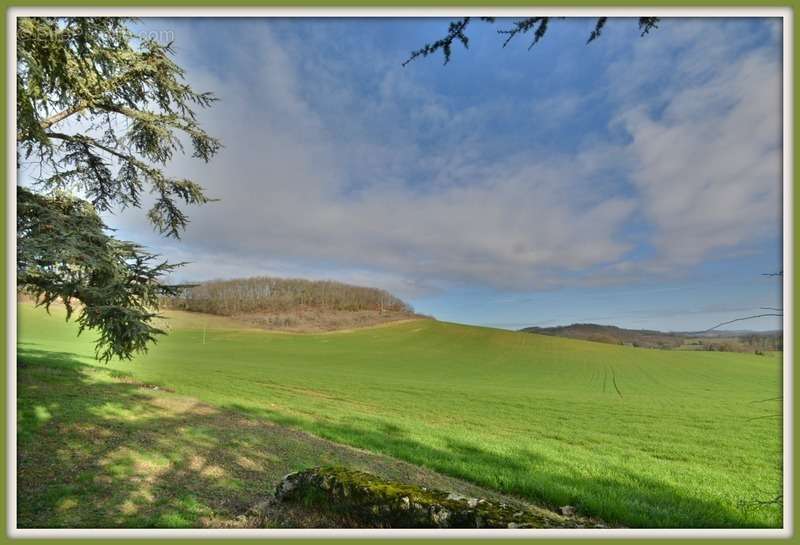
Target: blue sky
[633, 181]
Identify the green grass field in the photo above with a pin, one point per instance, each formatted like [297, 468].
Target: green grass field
[644, 438]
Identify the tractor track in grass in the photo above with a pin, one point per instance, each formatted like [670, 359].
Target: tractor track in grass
[614, 381]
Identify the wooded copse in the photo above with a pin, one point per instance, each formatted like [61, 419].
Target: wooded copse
[268, 294]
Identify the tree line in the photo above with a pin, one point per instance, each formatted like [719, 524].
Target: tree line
[758, 343]
[268, 294]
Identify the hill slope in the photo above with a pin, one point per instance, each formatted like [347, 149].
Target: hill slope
[639, 437]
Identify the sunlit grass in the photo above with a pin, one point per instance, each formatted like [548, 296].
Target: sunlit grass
[641, 437]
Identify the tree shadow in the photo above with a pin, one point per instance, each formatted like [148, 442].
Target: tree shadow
[96, 449]
[632, 499]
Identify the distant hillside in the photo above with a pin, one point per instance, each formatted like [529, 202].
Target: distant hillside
[612, 335]
[729, 341]
[293, 304]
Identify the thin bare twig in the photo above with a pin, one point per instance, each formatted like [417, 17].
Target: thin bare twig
[741, 320]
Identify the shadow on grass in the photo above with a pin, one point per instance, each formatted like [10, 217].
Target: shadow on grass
[632, 500]
[97, 452]
[94, 452]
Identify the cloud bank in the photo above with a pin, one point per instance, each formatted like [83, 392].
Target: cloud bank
[340, 163]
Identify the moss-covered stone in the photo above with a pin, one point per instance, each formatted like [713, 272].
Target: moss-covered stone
[376, 502]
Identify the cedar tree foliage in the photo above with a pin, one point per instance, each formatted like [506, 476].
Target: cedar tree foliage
[535, 26]
[100, 113]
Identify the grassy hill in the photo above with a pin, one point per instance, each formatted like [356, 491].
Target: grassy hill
[638, 437]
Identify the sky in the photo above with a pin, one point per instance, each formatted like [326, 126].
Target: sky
[634, 181]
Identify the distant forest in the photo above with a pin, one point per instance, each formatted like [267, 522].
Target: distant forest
[722, 341]
[267, 294]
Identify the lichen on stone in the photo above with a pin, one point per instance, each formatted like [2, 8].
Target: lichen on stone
[376, 502]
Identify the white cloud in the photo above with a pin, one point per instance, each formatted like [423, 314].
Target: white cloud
[285, 179]
[707, 166]
[322, 180]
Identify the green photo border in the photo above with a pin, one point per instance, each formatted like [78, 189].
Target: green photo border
[7, 5]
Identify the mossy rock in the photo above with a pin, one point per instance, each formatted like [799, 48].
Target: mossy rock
[375, 502]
